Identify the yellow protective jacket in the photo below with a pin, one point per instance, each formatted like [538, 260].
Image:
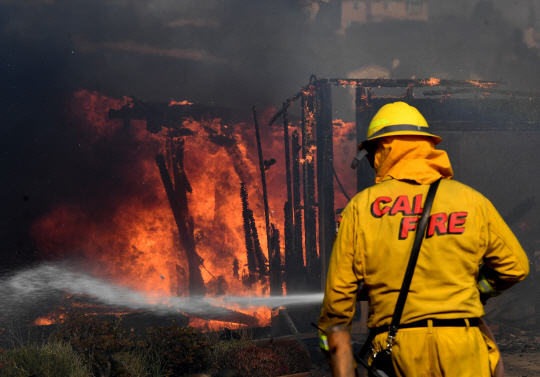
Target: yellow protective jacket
[377, 230]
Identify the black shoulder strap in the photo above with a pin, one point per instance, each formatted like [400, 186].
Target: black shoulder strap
[419, 236]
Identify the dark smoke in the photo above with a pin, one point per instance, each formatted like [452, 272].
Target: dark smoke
[233, 53]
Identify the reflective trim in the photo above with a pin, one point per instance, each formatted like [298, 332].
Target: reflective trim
[400, 127]
[486, 288]
[378, 122]
[323, 342]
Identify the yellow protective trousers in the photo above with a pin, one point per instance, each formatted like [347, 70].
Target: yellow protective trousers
[440, 352]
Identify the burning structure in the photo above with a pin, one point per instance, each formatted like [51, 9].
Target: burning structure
[231, 226]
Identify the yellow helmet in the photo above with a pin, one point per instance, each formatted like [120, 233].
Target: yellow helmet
[399, 118]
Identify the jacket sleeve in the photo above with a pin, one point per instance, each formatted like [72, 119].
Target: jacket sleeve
[505, 261]
[344, 274]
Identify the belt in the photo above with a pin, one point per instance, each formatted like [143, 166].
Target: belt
[458, 322]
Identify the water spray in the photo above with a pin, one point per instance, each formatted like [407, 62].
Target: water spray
[24, 289]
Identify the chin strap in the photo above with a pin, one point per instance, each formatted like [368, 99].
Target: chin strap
[359, 156]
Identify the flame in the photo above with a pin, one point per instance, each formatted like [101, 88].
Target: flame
[431, 82]
[132, 238]
[174, 103]
[483, 85]
[211, 325]
[127, 232]
[48, 319]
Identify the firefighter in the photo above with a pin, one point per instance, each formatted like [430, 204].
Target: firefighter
[467, 254]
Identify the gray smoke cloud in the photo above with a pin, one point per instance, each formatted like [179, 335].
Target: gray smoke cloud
[233, 53]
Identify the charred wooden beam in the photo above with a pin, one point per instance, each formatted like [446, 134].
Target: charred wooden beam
[298, 257]
[265, 195]
[276, 282]
[404, 83]
[161, 114]
[289, 102]
[250, 248]
[310, 213]
[181, 188]
[182, 219]
[236, 268]
[325, 177]
[451, 91]
[276, 248]
[181, 182]
[261, 259]
[364, 112]
[290, 246]
[289, 270]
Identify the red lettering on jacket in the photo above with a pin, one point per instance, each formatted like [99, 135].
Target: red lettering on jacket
[407, 224]
[417, 205]
[401, 205]
[376, 209]
[457, 219]
[437, 224]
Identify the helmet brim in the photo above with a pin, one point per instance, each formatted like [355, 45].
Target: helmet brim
[436, 139]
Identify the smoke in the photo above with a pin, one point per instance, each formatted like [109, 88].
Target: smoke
[42, 286]
[234, 53]
[85, 46]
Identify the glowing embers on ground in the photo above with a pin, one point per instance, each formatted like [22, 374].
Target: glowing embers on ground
[70, 302]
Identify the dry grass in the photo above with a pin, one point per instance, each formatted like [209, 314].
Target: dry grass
[54, 359]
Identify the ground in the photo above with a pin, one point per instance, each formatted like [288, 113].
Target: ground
[522, 364]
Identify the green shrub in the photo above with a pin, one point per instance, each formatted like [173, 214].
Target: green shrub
[296, 356]
[256, 362]
[222, 351]
[182, 350]
[141, 363]
[96, 341]
[54, 359]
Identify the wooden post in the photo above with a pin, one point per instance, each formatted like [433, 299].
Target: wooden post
[265, 198]
[289, 271]
[178, 201]
[261, 258]
[276, 281]
[289, 216]
[310, 213]
[298, 256]
[250, 250]
[325, 177]
[364, 173]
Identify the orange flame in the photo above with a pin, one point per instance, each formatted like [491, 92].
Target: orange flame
[133, 239]
[174, 103]
[431, 82]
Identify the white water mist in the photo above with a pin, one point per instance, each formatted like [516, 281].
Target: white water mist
[45, 284]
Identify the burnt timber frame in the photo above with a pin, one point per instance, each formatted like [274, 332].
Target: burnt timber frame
[308, 170]
[518, 111]
[442, 112]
